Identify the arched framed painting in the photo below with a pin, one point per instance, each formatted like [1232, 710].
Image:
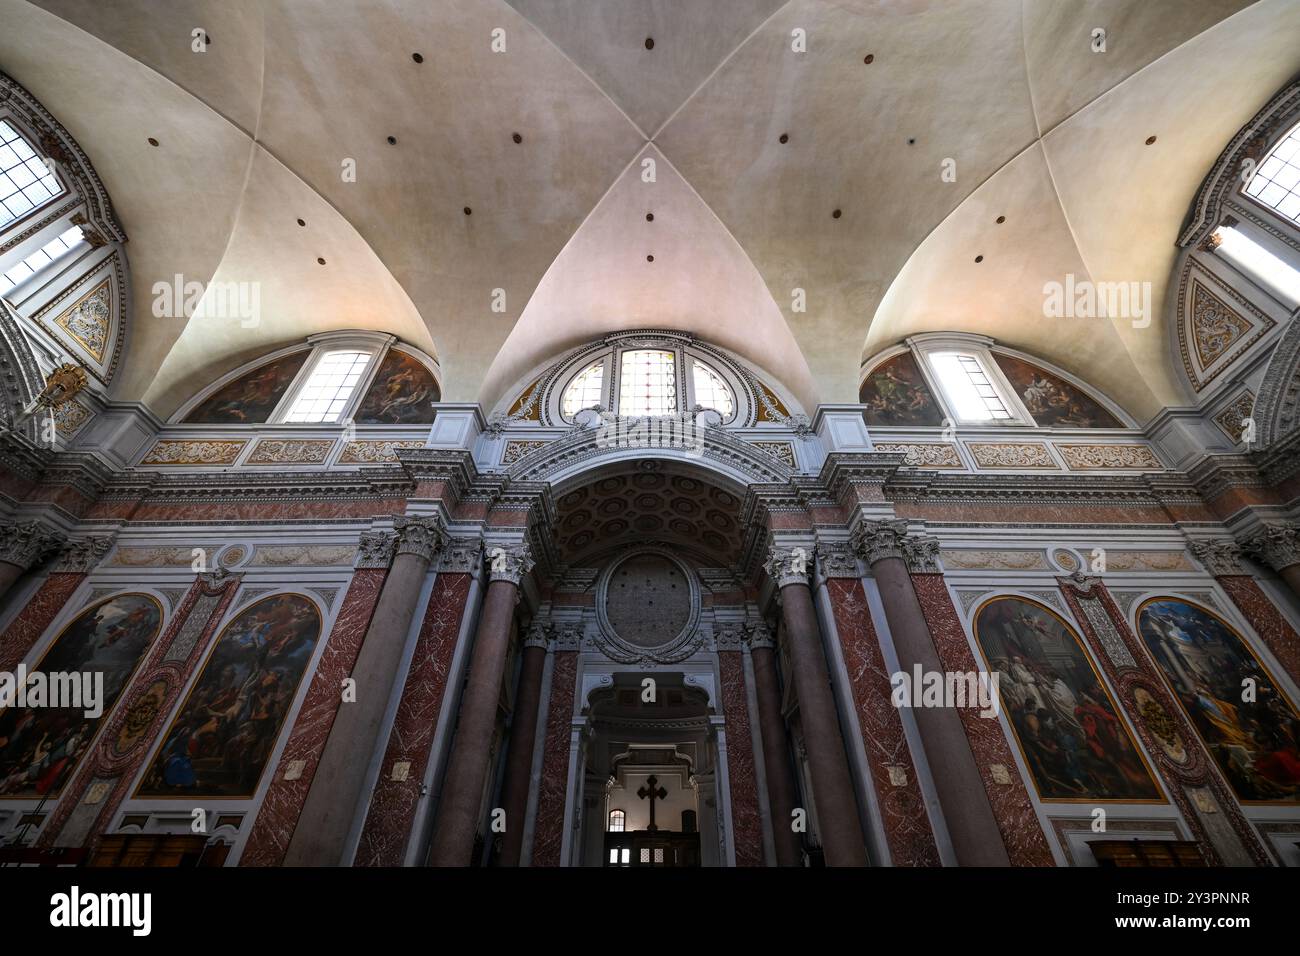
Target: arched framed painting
[1244, 718]
[1074, 741]
[222, 737]
[41, 746]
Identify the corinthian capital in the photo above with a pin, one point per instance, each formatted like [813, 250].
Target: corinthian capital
[375, 549]
[1218, 556]
[419, 535]
[509, 562]
[921, 552]
[1277, 545]
[877, 540]
[26, 543]
[788, 565]
[81, 556]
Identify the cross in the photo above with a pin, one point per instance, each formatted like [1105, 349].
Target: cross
[654, 792]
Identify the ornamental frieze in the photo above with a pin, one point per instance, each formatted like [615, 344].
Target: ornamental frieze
[179, 452]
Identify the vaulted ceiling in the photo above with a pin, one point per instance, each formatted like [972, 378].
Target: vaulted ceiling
[255, 132]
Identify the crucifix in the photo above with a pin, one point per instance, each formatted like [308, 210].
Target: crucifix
[654, 792]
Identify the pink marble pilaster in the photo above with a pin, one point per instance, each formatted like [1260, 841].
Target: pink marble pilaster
[746, 820]
[26, 629]
[394, 802]
[1267, 621]
[278, 814]
[548, 833]
[893, 774]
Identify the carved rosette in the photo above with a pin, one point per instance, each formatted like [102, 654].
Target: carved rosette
[375, 549]
[510, 562]
[788, 565]
[419, 536]
[760, 636]
[26, 543]
[1218, 556]
[1276, 545]
[877, 540]
[83, 555]
[921, 552]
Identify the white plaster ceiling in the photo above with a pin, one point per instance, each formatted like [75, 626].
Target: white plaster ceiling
[253, 132]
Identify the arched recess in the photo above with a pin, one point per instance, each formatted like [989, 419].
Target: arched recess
[397, 385]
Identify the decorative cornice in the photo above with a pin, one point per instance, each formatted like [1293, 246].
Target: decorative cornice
[1218, 555]
[84, 554]
[375, 549]
[509, 562]
[26, 543]
[878, 540]
[1277, 545]
[788, 566]
[420, 536]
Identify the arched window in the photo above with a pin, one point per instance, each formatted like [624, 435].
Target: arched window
[584, 391]
[1276, 183]
[968, 388]
[647, 383]
[26, 183]
[617, 821]
[711, 390]
[329, 387]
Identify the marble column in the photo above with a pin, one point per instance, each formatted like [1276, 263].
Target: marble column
[837, 806]
[972, 826]
[462, 787]
[332, 804]
[1278, 546]
[523, 735]
[21, 546]
[781, 789]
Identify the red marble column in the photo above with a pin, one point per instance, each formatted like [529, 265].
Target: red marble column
[101, 782]
[781, 789]
[26, 629]
[1186, 768]
[394, 802]
[336, 794]
[278, 814]
[1012, 806]
[467, 767]
[967, 812]
[746, 819]
[906, 823]
[833, 796]
[523, 736]
[548, 831]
